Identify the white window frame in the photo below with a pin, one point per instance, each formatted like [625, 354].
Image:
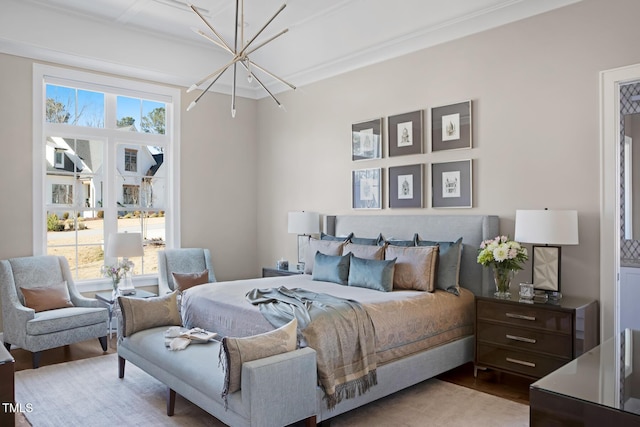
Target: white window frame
[45, 74]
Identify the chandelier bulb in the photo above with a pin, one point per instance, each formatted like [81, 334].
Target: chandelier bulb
[249, 77]
[192, 88]
[233, 113]
[193, 104]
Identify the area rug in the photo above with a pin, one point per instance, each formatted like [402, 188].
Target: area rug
[88, 392]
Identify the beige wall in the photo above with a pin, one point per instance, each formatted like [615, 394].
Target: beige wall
[15, 141]
[534, 86]
[218, 173]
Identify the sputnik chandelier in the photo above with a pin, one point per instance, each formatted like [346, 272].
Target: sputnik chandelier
[239, 55]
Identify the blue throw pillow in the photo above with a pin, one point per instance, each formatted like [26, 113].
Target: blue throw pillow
[372, 274]
[405, 243]
[331, 268]
[448, 264]
[366, 241]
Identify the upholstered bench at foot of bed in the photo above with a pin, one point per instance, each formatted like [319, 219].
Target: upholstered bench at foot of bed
[275, 391]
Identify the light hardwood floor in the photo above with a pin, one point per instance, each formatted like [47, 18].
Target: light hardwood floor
[502, 385]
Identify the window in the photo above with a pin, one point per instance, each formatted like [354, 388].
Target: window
[61, 194]
[130, 160]
[97, 179]
[59, 159]
[130, 194]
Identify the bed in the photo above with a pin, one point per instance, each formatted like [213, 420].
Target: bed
[434, 333]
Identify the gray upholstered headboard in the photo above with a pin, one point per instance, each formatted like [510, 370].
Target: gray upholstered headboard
[472, 228]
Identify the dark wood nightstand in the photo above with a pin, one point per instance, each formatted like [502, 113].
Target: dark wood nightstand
[533, 339]
[274, 272]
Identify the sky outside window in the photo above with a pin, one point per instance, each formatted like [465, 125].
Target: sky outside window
[76, 106]
[137, 109]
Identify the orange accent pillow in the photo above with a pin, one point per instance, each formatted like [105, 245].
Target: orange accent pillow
[47, 297]
[184, 281]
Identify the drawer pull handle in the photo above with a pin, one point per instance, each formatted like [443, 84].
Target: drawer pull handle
[520, 316]
[521, 362]
[523, 339]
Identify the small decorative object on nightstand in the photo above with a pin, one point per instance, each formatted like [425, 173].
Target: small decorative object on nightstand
[275, 272]
[533, 339]
[526, 291]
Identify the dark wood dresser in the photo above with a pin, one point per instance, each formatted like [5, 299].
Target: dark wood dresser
[599, 388]
[533, 339]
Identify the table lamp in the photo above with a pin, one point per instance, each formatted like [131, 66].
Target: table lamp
[303, 224]
[125, 245]
[550, 228]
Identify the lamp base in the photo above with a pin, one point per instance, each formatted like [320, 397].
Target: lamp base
[545, 273]
[126, 286]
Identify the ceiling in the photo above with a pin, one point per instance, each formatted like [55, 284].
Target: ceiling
[155, 40]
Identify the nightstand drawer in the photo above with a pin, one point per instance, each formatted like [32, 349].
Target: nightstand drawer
[526, 339]
[526, 315]
[530, 364]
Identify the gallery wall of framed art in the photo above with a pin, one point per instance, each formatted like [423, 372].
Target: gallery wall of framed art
[429, 179]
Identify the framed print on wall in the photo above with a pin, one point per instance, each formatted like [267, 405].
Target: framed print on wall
[366, 140]
[405, 134]
[451, 127]
[405, 186]
[366, 189]
[451, 184]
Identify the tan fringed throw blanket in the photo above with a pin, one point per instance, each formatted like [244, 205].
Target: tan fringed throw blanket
[339, 330]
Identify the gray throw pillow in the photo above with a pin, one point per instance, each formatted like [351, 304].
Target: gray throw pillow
[372, 274]
[331, 268]
[364, 251]
[327, 247]
[449, 255]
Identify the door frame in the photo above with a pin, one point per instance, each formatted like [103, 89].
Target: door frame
[610, 82]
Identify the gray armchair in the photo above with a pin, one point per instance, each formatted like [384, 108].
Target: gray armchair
[38, 331]
[184, 260]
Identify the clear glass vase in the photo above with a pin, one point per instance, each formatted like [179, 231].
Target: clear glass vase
[503, 278]
[115, 292]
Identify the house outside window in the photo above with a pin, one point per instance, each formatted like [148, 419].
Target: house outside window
[97, 179]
